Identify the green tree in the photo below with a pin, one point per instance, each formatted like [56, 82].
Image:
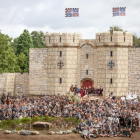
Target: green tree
[8, 60]
[14, 45]
[38, 39]
[116, 28]
[136, 39]
[23, 62]
[22, 51]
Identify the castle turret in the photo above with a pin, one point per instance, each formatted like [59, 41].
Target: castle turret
[62, 40]
[112, 61]
[117, 38]
[61, 61]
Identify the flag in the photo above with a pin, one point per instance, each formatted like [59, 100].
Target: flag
[119, 11]
[72, 12]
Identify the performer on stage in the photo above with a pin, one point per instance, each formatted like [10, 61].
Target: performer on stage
[87, 91]
[98, 91]
[101, 91]
[82, 91]
[93, 91]
[72, 88]
[75, 90]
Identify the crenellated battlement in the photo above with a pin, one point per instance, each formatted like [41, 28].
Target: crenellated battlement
[117, 38]
[103, 39]
[64, 40]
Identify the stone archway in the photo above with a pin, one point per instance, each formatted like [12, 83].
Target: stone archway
[87, 82]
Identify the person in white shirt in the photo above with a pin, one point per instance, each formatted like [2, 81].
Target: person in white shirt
[85, 133]
[134, 95]
[128, 97]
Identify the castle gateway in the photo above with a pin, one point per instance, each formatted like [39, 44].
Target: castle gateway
[106, 61]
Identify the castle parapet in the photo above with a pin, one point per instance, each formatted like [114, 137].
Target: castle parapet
[62, 40]
[117, 38]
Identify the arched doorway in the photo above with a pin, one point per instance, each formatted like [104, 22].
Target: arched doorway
[87, 82]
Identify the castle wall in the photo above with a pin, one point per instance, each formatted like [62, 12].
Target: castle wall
[122, 71]
[103, 71]
[14, 83]
[71, 55]
[45, 73]
[101, 68]
[119, 72]
[67, 73]
[22, 83]
[38, 71]
[67, 43]
[54, 73]
[86, 63]
[2, 83]
[118, 43]
[134, 70]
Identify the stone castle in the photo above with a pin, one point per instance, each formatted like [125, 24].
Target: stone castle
[108, 61]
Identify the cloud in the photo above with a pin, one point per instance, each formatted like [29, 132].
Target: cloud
[2, 14]
[49, 16]
[41, 7]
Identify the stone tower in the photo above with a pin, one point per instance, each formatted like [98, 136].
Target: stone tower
[61, 61]
[112, 61]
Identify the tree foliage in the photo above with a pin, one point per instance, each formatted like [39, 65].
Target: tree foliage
[115, 28]
[38, 39]
[14, 54]
[24, 43]
[22, 50]
[8, 60]
[14, 44]
[136, 41]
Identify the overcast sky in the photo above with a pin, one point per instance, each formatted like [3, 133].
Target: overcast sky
[49, 16]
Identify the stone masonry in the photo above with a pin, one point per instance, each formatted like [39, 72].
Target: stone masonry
[14, 83]
[67, 58]
[134, 70]
[74, 51]
[38, 71]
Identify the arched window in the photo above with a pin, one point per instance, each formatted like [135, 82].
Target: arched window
[49, 40]
[60, 38]
[124, 39]
[99, 38]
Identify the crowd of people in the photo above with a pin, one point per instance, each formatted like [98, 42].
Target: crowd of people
[86, 90]
[108, 117]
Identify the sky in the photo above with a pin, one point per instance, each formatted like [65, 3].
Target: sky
[49, 16]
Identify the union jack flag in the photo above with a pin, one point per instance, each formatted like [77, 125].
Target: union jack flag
[119, 11]
[72, 12]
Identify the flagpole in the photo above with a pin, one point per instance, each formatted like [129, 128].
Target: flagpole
[65, 19]
[112, 20]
